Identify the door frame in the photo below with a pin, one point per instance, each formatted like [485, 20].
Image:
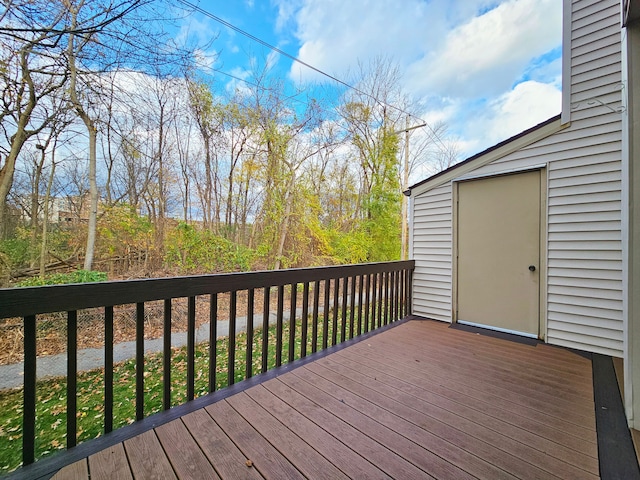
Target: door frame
[455, 183]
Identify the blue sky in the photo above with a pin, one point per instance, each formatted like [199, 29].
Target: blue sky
[487, 68]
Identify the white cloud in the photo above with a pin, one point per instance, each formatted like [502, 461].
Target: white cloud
[526, 105]
[272, 59]
[446, 112]
[239, 86]
[489, 53]
[201, 31]
[487, 68]
[334, 34]
[205, 60]
[286, 12]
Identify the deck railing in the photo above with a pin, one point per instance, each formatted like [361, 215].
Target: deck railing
[326, 306]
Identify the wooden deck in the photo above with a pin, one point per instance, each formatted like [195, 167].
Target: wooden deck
[420, 400]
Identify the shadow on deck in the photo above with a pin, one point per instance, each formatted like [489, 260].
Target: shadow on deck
[418, 400]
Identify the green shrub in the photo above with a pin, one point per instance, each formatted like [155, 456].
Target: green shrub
[79, 276]
[201, 250]
[15, 251]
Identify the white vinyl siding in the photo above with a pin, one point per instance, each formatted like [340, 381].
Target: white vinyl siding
[584, 240]
[432, 249]
[584, 197]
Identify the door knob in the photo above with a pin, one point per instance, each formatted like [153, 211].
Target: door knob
[532, 268]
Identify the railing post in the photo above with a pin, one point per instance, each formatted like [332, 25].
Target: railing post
[367, 295]
[265, 327]
[352, 307]
[359, 325]
[380, 297]
[374, 304]
[343, 329]
[72, 377]
[325, 317]
[316, 307]
[231, 364]
[409, 291]
[305, 320]
[279, 315]
[386, 298]
[404, 293]
[292, 322]
[249, 353]
[213, 340]
[334, 318]
[140, 361]
[108, 369]
[395, 295]
[191, 348]
[399, 297]
[29, 393]
[166, 356]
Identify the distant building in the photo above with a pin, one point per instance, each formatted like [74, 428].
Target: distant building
[62, 210]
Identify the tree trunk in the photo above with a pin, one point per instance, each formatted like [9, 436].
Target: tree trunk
[93, 193]
[93, 133]
[45, 222]
[159, 240]
[284, 226]
[17, 140]
[35, 206]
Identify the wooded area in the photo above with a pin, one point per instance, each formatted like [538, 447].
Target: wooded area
[121, 151]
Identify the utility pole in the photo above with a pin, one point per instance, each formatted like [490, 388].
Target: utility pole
[405, 185]
[405, 200]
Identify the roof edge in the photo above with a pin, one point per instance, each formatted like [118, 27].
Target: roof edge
[499, 150]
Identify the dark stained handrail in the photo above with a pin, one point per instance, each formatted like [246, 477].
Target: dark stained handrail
[381, 290]
[20, 302]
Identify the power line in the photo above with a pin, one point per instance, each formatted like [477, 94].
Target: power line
[206, 13]
[263, 88]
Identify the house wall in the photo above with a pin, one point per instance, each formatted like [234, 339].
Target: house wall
[632, 130]
[432, 251]
[583, 161]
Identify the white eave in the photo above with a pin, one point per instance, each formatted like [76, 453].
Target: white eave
[489, 155]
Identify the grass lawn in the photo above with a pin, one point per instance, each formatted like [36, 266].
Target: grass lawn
[51, 393]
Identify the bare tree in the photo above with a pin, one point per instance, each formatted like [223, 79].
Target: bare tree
[45, 223]
[203, 109]
[30, 74]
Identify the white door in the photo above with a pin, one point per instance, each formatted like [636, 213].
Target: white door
[498, 238]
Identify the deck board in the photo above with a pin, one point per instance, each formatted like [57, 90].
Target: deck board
[183, 452]
[515, 366]
[486, 432]
[217, 446]
[77, 470]
[110, 463]
[420, 400]
[578, 453]
[328, 446]
[483, 380]
[263, 456]
[147, 458]
[436, 387]
[468, 453]
[311, 463]
[372, 443]
[474, 367]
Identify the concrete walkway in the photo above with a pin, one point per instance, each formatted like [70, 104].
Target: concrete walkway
[11, 376]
